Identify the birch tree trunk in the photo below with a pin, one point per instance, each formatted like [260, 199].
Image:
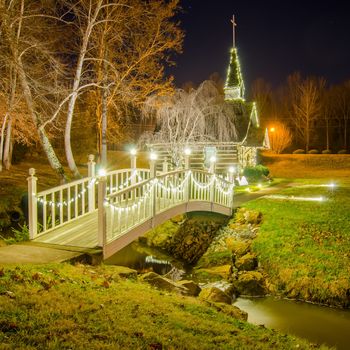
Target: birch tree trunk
[44, 140]
[7, 147]
[2, 137]
[104, 128]
[76, 83]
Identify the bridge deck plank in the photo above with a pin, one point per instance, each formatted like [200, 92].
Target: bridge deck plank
[78, 233]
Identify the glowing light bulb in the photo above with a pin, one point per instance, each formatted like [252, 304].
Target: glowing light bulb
[133, 151]
[102, 172]
[153, 156]
[231, 169]
[212, 159]
[187, 151]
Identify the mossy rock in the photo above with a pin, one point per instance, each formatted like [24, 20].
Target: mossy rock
[215, 295]
[212, 273]
[178, 219]
[247, 216]
[162, 236]
[215, 259]
[231, 310]
[250, 283]
[193, 288]
[163, 283]
[123, 272]
[247, 262]
[238, 247]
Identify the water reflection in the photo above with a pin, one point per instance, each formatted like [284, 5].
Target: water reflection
[135, 257]
[316, 323]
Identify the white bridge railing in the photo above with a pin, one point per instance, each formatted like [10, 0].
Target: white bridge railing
[129, 208]
[55, 207]
[126, 198]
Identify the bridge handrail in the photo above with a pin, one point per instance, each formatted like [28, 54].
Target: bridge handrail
[141, 184]
[136, 204]
[64, 186]
[174, 172]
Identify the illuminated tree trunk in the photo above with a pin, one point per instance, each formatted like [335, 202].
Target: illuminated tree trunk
[2, 135]
[104, 128]
[44, 140]
[7, 147]
[74, 96]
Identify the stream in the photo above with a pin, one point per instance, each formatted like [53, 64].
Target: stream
[318, 324]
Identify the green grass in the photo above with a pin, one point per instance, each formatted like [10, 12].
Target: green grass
[304, 246]
[67, 307]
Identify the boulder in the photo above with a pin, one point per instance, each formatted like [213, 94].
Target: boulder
[193, 288]
[212, 273]
[178, 219]
[163, 283]
[248, 216]
[213, 294]
[231, 310]
[247, 262]
[238, 247]
[250, 283]
[121, 272]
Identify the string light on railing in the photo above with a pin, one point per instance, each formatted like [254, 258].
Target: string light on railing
[173, 188]
[223, 191]
[126, 182]
[72, 200]
[134, 205]
[201, 185]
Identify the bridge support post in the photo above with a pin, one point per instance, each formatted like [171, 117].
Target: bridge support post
[91, 187]
[187, 174]
[212, 186]
[102, 224]
[165, 166]
[32, 204]
[153, 173]
[133, 166]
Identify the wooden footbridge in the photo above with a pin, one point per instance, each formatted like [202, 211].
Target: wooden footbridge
[110, 210]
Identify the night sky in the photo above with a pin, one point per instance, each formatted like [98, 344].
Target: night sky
[274, 39]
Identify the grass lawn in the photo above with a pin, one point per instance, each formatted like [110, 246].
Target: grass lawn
[304, 246]
[308, 166]
[81, 307]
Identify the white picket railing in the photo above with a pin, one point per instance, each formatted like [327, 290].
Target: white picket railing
[125, 198]
[55, 207]
[139, 203]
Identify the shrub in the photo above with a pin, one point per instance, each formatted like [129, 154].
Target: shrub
[342, 151]
[256, 173]
[20, 235]
[299, 151]
[313, 151]
[327, 151]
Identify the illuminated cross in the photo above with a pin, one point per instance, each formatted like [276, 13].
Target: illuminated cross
[233, 27]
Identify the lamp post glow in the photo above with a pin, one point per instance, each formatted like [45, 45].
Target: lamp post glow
[212, 161]
[152, 163]
[133, 153]
[187, 152]
[153, 156]
[231, 173]
[102, 172]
